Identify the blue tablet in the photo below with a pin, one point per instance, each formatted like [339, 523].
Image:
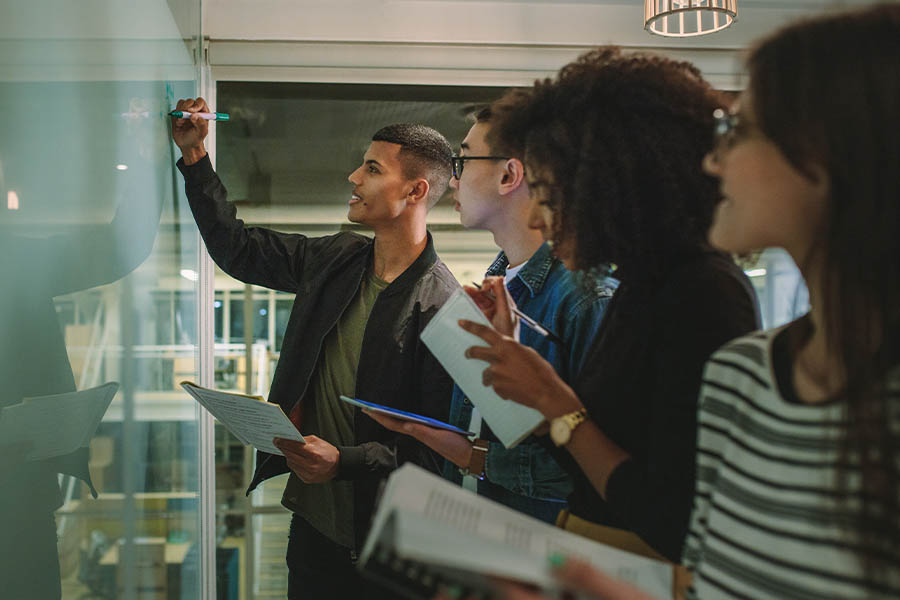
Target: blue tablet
[405, 416]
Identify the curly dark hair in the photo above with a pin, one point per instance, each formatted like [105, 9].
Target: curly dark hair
[622, 136]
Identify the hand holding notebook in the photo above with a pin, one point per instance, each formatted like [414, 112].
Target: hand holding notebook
[402, 415]
[479, 539]
[451, 442]
[510, 422]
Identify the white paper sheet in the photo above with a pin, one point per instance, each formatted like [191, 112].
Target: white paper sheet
[254, 421]
[511, 422]
[55, 425]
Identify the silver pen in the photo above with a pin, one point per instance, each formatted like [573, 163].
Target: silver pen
[527, 320]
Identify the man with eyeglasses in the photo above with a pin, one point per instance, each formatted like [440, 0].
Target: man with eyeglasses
[360, 307]
[492, 194]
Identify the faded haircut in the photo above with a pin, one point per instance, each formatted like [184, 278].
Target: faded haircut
[424, 153]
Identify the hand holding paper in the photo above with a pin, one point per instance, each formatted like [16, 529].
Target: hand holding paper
[251, 419]
[313, 461]
[519, 373]
[510, 422]
[492, 297]
[482, 539]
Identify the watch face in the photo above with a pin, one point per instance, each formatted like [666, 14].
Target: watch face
[560, 431]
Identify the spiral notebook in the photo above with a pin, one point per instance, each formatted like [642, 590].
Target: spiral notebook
[428, 532]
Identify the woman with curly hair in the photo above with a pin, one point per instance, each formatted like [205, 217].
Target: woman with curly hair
[798, 458]
[613, 153]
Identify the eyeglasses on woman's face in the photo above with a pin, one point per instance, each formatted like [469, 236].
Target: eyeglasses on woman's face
[728, 129]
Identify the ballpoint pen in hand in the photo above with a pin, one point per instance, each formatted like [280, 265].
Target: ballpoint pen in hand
[526, 319]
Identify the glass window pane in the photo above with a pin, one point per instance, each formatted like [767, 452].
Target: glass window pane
[260, 312]
[219, 316]
[185, 308]
[236, 320]
[96, 239]
[161, 319]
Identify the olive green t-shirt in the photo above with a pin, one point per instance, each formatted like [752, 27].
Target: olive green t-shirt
[329, 506]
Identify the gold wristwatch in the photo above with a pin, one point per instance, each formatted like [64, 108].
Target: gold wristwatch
[561, 428]
[477, 461]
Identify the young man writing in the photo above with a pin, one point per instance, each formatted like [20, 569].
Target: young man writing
[492, 194]
[360, 306]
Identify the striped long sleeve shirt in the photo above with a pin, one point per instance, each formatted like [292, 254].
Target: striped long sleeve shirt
[767, 520]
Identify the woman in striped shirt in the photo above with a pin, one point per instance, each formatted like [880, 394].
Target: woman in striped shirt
[798, 456]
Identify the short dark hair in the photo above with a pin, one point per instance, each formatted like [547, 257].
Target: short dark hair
[623, 136]
[506, 142]
[483, 114]
[424, 152]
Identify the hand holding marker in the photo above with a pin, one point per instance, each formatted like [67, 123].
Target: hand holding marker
[190, 126]
[178, 114]
[209, 116]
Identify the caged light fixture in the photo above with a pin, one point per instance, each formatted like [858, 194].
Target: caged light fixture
[685, 18]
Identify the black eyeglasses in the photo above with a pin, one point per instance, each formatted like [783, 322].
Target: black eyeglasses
[460, 161]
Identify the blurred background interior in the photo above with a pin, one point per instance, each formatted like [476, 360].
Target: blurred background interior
[83, 87]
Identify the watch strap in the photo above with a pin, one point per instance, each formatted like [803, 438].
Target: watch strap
[571, 420]
[575, 418]
[478, 460]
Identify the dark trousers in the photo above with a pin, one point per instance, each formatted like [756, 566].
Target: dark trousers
[319, 568]
[29, 563]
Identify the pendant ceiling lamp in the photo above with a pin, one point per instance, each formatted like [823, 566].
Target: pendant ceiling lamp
[685, 18]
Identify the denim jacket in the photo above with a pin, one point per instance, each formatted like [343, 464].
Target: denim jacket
[527, 478]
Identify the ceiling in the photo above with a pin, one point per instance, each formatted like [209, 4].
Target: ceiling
[288, 145]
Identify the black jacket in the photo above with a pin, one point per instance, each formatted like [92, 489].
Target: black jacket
[395, 368]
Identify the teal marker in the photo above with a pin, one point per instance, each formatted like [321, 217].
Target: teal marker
[180, 114]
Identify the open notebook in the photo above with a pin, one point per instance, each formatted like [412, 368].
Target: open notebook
[428, 532]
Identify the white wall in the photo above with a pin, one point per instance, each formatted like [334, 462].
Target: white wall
[458, 41]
